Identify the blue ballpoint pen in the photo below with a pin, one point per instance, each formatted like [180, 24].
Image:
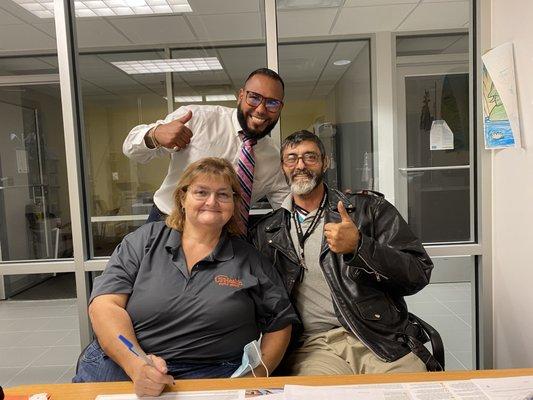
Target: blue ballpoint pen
[136, 350]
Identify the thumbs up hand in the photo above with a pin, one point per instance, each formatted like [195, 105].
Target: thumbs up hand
[342, 237]
[174, 135]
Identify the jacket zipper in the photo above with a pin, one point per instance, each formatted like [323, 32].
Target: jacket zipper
[377, 274]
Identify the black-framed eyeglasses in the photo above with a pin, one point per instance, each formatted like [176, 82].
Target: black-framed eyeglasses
[255, 99]
[202, 194]
[309, 158]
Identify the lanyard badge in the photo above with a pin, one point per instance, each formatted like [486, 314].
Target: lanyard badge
[302, 236]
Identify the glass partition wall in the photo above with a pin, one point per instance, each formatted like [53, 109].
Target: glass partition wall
[361, 74]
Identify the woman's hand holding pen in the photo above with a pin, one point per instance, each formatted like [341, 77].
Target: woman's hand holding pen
[149, 379]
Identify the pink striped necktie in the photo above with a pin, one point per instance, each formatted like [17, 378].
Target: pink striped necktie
[245, 172]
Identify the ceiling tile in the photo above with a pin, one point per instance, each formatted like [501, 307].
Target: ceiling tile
[49, 28]
[408, 46]
[154, 30]
[371, 19]
[95, 32]
[303, 62]
[24, 37]
[299, 23]
[238, 62]
[8, 19]
[441, 15]
[26, 65]
[223, 7]
[360, 3]
[228, 26]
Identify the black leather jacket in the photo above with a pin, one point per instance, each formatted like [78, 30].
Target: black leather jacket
[368, 285]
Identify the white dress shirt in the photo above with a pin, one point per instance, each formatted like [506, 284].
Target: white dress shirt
[215, 133]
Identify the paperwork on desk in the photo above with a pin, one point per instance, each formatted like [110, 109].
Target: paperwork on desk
[203, 395]
[515, 388]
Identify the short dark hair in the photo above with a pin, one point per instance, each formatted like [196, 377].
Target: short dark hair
[266, 72]
[298, 137]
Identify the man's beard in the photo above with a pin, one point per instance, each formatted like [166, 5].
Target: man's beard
[253, 133]
[303, 187]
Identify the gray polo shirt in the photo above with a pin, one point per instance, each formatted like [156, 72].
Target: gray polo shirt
[208, 315]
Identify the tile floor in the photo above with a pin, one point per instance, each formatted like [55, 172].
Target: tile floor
[39, 340]
[448, 308]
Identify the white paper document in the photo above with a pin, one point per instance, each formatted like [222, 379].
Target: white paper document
[359, 392]
[440, 136]
[201, 395]
[515, 388]
[519, 388]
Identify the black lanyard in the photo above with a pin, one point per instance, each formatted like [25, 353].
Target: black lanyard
[302, 237]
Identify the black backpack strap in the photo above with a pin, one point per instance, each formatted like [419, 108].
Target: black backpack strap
[418, 333]
[424, 354]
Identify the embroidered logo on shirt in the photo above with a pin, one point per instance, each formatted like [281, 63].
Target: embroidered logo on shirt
[224, 280]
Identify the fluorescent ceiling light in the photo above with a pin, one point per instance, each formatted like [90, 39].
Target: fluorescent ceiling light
[341, 62]
[169, 65]
[220, 97]
[108, 8]
[188, 99]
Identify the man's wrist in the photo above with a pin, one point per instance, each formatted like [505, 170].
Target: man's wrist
[150, 139]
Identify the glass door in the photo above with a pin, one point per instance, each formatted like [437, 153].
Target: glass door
[435, 194]
[34, 209]
[434, 178]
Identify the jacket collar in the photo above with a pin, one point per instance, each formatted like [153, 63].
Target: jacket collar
[334, 196]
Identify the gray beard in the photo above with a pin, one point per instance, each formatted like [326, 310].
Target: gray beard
[304, 187]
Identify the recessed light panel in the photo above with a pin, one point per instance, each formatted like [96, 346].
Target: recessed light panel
[169, 65]
[108, 8]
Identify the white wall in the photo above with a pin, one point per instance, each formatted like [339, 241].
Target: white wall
[513, 201]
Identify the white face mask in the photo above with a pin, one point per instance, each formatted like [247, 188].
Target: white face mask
[251, 358]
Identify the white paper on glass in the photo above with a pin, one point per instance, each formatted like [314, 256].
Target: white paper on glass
[440, 136]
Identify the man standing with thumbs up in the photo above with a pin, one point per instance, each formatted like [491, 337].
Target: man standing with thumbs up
[346, 262]
[238, 135]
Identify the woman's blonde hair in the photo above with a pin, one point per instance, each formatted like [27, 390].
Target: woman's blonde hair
[208, 167]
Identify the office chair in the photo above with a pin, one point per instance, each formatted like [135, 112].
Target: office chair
[423, 333]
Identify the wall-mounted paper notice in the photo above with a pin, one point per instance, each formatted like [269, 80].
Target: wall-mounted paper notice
[500, 103]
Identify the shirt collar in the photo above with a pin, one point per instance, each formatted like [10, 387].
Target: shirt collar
[223, 250]
[287, 203]
[237, 128]
[236, 124]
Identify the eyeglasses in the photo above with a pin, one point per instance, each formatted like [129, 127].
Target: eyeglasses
[202, 194]
[309, 158]
[255, 99]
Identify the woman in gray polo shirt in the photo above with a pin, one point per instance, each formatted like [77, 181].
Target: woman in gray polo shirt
[188, 292]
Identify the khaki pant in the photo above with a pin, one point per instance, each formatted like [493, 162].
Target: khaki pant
[338, 352]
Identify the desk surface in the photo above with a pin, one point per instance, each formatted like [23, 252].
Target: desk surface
[88, 391]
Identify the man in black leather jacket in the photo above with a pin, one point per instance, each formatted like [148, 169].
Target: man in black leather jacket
[346, 261]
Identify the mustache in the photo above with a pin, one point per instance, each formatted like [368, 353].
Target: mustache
[305, 172]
